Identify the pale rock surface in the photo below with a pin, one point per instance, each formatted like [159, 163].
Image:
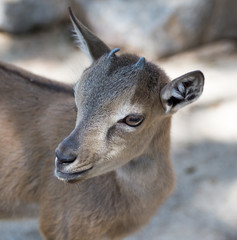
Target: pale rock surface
[19, 16]
[159, 27]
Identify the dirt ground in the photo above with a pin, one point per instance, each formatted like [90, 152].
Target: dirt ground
[203, 205]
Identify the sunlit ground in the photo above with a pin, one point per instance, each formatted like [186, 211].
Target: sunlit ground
[204, 150]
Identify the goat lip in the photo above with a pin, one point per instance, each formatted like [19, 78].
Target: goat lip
[73, 176]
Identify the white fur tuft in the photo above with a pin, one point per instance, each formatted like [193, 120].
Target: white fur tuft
[176, 94]
[80, 41]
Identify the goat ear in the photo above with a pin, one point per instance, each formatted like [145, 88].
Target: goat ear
[87, 41]
[182, 91]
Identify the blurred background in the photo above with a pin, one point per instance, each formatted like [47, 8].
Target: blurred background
[179, 36]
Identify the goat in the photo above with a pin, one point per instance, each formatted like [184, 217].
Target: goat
[112, 139]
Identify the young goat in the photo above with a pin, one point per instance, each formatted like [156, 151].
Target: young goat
[118, 154]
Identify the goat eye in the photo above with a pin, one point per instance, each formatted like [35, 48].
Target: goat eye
[133, 120]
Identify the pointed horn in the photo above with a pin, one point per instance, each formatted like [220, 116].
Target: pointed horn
[140, 63]
[112, 53]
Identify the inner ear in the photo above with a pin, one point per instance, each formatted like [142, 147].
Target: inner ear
[182, 91]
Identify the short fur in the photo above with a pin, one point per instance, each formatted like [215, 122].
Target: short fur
[121, 174]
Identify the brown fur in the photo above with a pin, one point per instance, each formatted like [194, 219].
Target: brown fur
[131, 173]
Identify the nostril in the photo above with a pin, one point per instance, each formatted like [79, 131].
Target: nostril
[65, 158]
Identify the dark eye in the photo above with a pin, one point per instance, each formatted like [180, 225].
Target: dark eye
[133, 120]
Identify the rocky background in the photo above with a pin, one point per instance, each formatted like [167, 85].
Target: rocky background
[180, 36]
[158, 27]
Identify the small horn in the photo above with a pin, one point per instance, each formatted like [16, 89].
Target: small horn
[112, 53]
[140, 63]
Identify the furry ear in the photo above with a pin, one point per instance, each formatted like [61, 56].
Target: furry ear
[87, 41]
[182, 91]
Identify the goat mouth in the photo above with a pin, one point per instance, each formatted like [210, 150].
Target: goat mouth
[72, 177]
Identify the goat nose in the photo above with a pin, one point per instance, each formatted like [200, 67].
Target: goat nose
[62, 158]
